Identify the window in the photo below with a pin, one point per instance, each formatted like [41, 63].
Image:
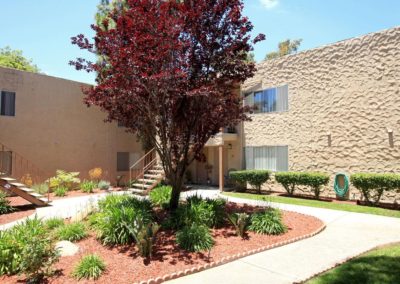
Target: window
[7, 103]
[269, 100]
[125, 160]
[273, 158]
[122, 161]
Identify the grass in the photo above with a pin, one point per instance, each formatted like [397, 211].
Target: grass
[318, 204]
[378, 266]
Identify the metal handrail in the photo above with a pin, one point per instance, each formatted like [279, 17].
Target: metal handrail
[20, 167]
[144, 165]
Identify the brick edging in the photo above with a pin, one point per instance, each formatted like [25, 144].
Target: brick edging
[228, 259]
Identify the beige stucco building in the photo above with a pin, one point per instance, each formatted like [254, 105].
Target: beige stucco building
[44, 120]
[333, 109]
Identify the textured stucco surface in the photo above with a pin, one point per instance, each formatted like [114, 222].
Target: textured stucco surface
[350, 90]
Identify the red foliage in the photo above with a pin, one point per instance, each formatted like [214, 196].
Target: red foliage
[169, 69]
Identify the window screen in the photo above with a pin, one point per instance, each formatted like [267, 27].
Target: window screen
[7, 103]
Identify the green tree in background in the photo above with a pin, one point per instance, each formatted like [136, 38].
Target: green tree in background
[285, 48]
[15, 59]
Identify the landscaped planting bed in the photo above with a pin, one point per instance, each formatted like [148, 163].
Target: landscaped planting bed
[125, 264]
[22, 208]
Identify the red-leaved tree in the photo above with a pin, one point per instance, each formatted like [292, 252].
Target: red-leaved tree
[169, 70]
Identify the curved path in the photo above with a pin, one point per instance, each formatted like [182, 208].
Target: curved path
[347, 235]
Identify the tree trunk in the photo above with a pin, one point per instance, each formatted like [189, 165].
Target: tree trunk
[177, 184]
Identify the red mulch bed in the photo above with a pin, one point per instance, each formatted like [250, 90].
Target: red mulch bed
[23, 209]
[124, 265]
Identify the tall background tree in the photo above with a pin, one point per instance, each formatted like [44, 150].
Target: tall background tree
[285, 48]
[15, 59]
[170, 71]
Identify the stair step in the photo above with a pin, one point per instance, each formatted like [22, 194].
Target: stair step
[156, 171]
[150, 176]
[17, 184]
[37, 195]
[147, 180]
[26, 189]
[7, 179]
[44, 199]
[140, 185]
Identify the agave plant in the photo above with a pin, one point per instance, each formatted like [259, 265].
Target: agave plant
[240, 221]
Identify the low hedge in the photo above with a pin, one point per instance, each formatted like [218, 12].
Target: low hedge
[314, 180]
[373, 185]
[255, 178]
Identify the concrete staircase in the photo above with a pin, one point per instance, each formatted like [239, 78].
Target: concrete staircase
[12, 185]
[148, 180]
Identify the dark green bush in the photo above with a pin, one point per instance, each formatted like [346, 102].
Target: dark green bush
[119, 217]
[161, 195]
[72, 232]
[5, 204]
[195, 238]
[373, 185]
[89, 267]
[267, 222]
[289, 180]
[27, 249]
[314, 180]
[209, 212]
[256, 178]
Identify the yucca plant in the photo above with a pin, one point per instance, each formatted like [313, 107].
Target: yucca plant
[145, 235]
[89, 267]
[240, 221]
[61, 191]
[88, 186]
[267, 222]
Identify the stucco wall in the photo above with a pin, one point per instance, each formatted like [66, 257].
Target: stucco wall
[350, 89]
[55, 130]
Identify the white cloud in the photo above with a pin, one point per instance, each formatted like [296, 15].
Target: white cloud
[269, 4]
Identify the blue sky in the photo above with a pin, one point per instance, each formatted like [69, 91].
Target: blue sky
[42, 28]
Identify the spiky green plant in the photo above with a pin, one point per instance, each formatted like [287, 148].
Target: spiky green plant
[195, 238]
[161, 195]
[267, 222]
[240, 222]
[72, 232]
[5, 204]
[53, 223]
[89, 267]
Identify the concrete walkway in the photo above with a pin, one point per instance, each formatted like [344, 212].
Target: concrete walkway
[347, 235]
[64, 208]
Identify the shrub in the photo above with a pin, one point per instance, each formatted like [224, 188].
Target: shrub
[72, 232]
[372, 185]
[207, 212]
[27, 248]
[267, 222]
[89, 267]
[119, 218]
[61, 191]
[27, 180]
[104, 185]
[256, 178]
[5, 204]
[95, 174]
[41, 188]
[53, 223]
[195, 238]
[314, 180]
[88, 186]
[240, 221]
[289, 180]
[161, 195]
[65, 179]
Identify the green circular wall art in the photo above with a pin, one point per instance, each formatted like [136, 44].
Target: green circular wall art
[341, 191]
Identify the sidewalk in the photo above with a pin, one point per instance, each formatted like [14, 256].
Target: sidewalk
[347, 235]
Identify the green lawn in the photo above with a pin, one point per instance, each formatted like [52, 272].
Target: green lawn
[380, 266]
[318, 204]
